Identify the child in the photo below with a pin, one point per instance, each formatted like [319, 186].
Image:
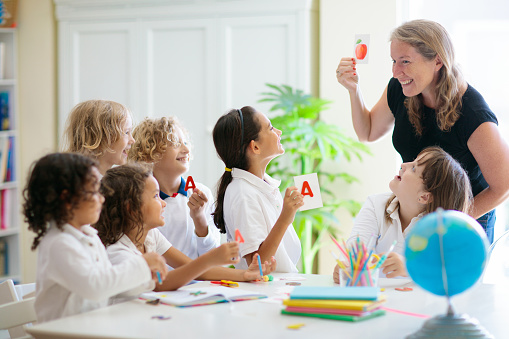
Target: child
[248, 199]
[189, 226]
[101, 129]
[433, 180]
[131, 213]
[74, 274]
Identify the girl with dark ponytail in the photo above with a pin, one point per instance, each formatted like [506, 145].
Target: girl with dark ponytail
[248, 199]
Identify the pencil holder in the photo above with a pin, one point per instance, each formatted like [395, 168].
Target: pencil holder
[367, 277]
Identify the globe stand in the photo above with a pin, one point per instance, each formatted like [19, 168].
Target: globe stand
[451, 325]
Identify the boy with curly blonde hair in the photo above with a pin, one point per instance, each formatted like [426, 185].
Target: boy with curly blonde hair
[189, 226]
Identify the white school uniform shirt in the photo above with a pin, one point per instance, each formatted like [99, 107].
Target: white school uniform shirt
[179, 226]
[74, 274]
[371, 220]
[124, 249]
[253, 206]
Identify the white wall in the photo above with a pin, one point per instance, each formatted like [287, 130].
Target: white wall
[37, 99]
[339, 22]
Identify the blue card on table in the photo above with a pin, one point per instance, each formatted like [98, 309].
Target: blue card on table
[345, 293]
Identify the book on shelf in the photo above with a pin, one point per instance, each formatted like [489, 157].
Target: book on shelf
[2, 60]
[202, 296]
[6, 196]
[9, 174]
[4, 257]
[4, 156]
[8, 13]
[4, 111]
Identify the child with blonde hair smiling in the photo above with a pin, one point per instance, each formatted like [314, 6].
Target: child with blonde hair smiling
[100, 129]
[189, 226]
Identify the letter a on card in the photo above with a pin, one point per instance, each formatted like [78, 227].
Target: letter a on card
[310, 188]
[189, 183]
[306, 190]
[238, 236]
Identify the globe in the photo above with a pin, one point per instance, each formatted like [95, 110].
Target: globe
[446, 252]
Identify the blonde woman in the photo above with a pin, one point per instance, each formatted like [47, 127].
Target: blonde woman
[427, 103]
[100, 129]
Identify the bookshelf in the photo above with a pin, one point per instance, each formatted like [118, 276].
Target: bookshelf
[10, 233]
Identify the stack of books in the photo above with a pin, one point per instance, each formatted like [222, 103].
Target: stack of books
[338, 303]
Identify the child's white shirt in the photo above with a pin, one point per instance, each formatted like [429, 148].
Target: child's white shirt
[371, 220]
[74, 274]
[124, 249]
[253, 206]
[179, 226]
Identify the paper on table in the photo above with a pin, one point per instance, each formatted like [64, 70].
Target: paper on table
[202, 296]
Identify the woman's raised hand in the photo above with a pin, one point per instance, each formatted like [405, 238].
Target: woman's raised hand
[346, 73]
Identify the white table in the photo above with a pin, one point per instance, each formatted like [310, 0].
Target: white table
[262, 318]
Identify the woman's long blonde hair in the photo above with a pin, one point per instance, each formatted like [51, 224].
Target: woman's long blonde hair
[430, 39]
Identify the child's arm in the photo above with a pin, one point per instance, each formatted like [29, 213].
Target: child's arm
[293, 200]
[187, 269]
[252, 272]
[394, 265]
[197, 203]
[73, 268]
[201, 207]
[156, 263]
[367, 222]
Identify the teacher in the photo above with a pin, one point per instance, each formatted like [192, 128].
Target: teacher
[426, 103]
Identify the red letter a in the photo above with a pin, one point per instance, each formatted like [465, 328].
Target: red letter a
[306, 190]
[189, 183]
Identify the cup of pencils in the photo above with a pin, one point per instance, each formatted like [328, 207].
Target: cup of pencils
[352, 277]
[360, 267]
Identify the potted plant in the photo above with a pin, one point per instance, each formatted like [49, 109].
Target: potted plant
[308, 143]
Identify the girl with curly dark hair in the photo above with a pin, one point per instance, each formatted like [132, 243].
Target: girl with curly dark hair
[128, 227]
[74, 274]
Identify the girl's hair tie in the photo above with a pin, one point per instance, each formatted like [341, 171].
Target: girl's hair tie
[227, 169]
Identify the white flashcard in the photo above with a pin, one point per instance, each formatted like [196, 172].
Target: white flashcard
[361, 48]
[310, 188]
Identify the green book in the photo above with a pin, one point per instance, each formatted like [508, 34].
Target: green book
[337, 316]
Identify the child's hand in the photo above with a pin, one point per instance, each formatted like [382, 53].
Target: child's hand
[253, 271]
[196, 204]
[156, 263]
[394, 266]
[226, 254]
[335, 274]
[292, 201]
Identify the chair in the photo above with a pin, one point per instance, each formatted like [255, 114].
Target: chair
[17, 313]
[13, 310]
